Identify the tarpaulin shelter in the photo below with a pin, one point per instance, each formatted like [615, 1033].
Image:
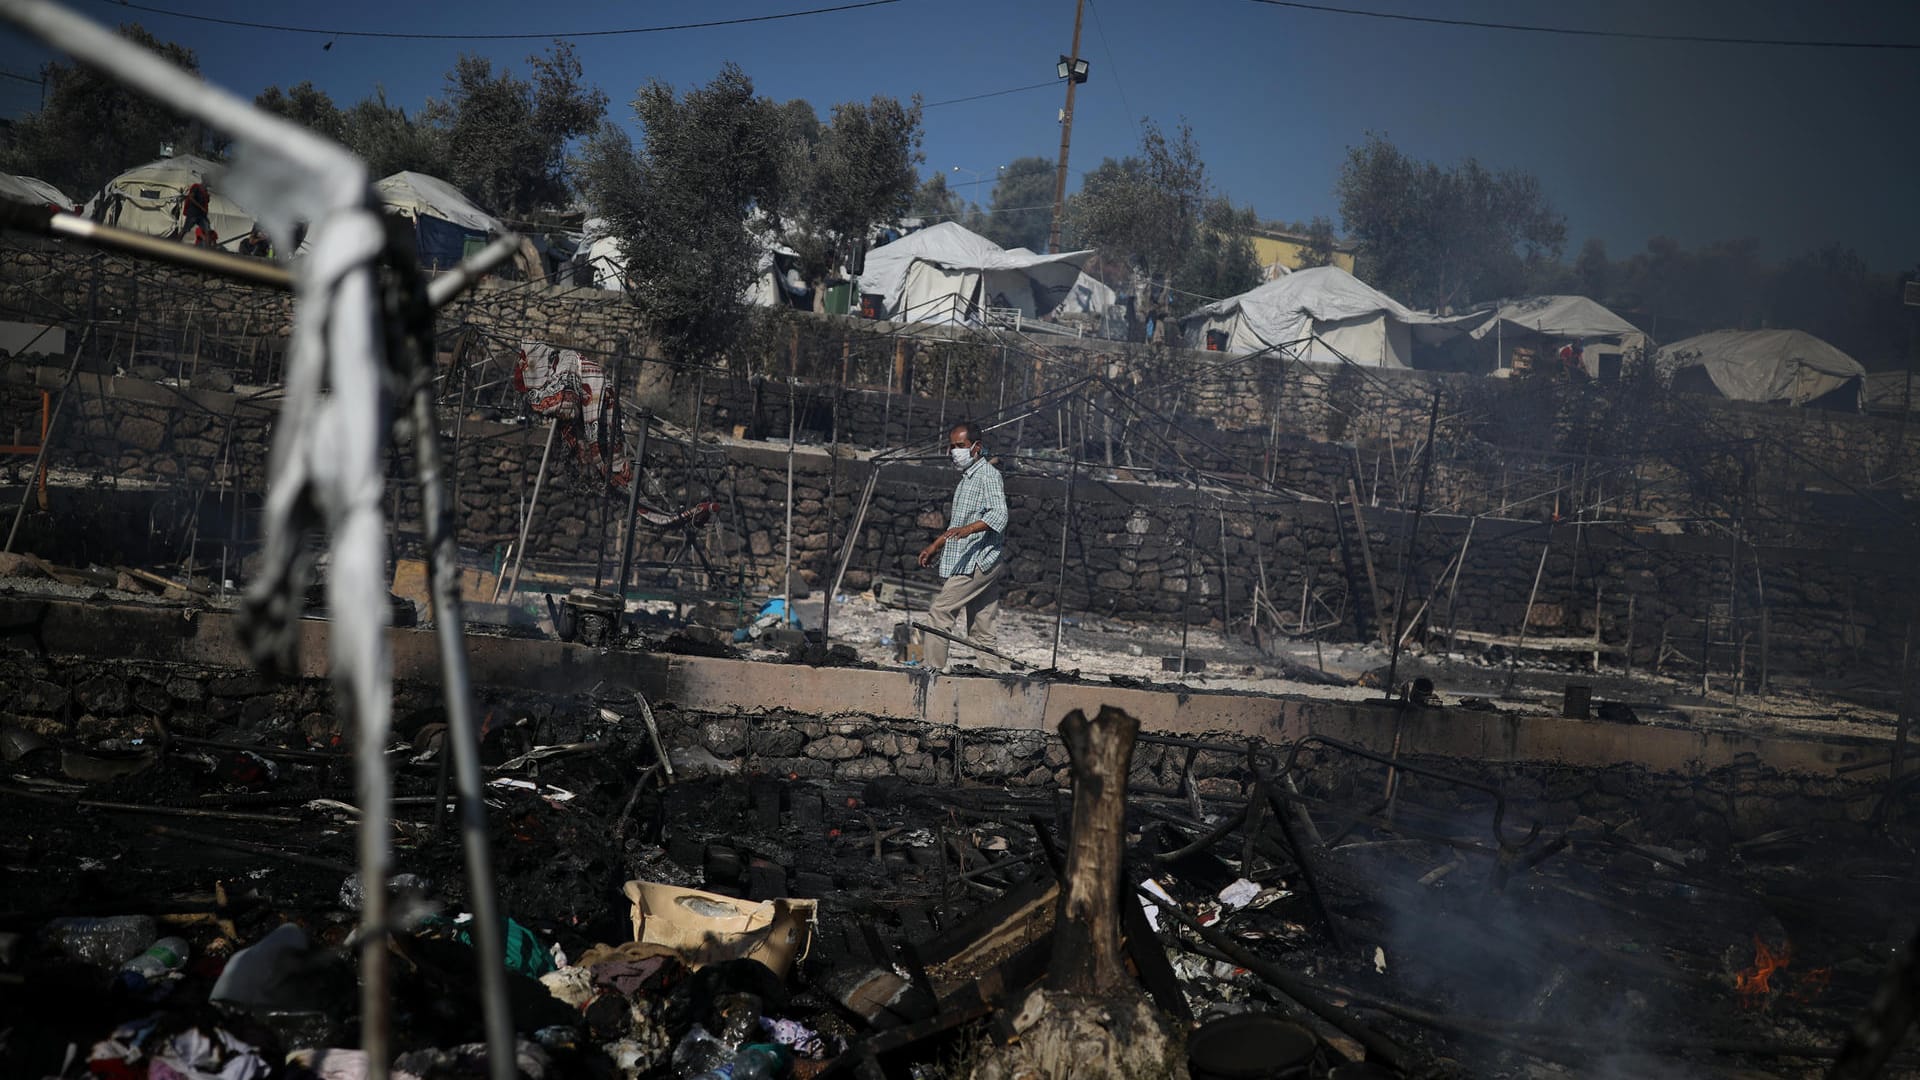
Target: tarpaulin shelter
[777, 281]
[948, 273]
[446, 224]
[1787, 366]
[149, 198]
[1541, 323]
[32, 192]
[1089, 296]
[1347, 316]
[1544, 325]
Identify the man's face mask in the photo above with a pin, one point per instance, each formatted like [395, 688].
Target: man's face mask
[962, 456]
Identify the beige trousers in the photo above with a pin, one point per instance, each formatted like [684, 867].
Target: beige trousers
[979, 596]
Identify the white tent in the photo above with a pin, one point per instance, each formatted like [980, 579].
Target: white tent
[26, 189]
[147, 199]
[1788, 366]
[599, 256]
[777, 281]
[1555, 316]
[1089, 296]
[1347, 316]
[1533, 320]
[947, 273]
[445, 222]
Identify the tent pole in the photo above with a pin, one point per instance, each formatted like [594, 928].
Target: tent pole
[533, 503]
[633, 507]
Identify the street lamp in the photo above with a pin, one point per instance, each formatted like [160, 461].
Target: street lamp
[1073, 64]
[978, 177]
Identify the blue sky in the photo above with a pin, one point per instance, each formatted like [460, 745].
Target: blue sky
[1795, 147]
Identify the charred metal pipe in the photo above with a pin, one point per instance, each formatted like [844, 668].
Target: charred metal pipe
[463, 731]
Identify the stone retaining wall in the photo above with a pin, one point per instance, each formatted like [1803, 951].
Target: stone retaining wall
[86, 701]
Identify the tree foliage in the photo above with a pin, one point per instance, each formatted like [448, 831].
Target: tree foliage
[1157, 214]
[1319, 247]
[1673, 292]
[94, 127]
[391, 141]
[1021, 211]
[506, 138]
[934, 201]
[679, 203]
[307, 105]
[1221, 261]
[1444, 237]
[843, 178]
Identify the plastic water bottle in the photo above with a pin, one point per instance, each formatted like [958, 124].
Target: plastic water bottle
[106, 943]
[161, 959]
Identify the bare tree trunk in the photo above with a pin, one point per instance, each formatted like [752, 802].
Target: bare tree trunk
[1086, 951]
[1091, 1018]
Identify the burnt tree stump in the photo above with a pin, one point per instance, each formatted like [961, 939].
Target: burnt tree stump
[1090, 1018]
[1086, 936]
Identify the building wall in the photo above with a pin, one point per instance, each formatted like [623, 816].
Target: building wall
[1273, 250]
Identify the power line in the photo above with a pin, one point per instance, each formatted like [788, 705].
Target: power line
[988, 94]
[985, 212]
[500, 37]
[1101, 26]
[1703, 39]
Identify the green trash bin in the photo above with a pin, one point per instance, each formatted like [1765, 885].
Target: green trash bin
[838, 298]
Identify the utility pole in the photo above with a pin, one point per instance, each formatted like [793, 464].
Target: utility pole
[1074, 71]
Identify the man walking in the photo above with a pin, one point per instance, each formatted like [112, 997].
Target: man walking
[969, 551]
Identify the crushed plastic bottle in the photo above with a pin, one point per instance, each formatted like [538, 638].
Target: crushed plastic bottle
[107, 942]
[739, 1020]
[699, 1053]
[762, 1061]
[145, 972]
[353, 895]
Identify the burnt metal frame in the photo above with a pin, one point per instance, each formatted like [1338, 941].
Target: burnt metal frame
[1396, 762]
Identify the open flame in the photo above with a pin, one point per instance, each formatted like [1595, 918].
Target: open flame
[1758, 984]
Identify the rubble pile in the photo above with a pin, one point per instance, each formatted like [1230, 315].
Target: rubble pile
[188, 907]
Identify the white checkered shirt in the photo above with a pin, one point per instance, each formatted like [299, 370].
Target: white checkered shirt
[978, 497]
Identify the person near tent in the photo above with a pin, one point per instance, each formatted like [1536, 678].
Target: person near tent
[196, 226]
[256, 244]
[1572, 364]
[970, 552]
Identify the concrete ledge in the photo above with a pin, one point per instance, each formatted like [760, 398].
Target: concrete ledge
[67, 628]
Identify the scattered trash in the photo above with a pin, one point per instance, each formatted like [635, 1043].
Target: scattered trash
[104, 943]
[1239, 894]
[1153, 910]
[707, 928]
[525, 955]
[291, 985]
[143, 1049]
[142, 976]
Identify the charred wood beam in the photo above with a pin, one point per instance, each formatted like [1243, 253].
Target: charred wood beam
[1283, 813]
[1295, 988]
